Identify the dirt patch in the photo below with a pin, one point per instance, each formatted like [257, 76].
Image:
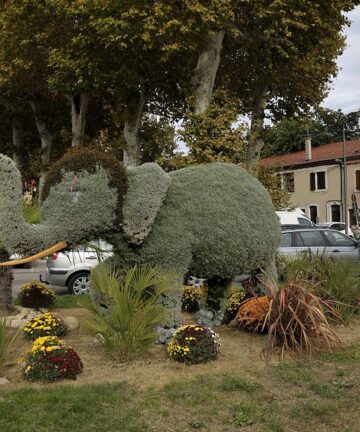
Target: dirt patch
[239, 350]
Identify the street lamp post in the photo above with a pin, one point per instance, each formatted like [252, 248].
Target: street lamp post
[345, 212]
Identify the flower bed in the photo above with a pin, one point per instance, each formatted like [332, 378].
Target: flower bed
[36, 295]
[51, 360]
[47, 324]
[193, 344]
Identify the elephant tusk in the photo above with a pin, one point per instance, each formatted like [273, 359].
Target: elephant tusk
[50, 250]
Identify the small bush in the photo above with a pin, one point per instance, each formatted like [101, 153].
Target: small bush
[190, 300]
[51, 360]
[232, 306]
[36, 295]
[46, 324]
[193, 344]
[126, 310]
[252, 313]
[297, 322]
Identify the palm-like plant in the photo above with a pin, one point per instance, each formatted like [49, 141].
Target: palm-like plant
[127, 310]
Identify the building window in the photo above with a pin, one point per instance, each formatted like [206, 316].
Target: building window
[313, 210]
[318, 181]
[357, 180]
[289, 182]
[335, 213]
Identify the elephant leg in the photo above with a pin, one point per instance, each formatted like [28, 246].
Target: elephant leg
[6, 280]
[212, 310]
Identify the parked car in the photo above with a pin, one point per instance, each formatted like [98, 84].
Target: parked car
[319, 241]
[293, 217]
[72, 268]
[338, 226]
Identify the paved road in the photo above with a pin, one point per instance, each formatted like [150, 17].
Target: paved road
[24, 275]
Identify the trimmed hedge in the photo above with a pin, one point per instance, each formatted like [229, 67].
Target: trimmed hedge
[79, 159]
[217, 221]
[65, 216]
[148, 185]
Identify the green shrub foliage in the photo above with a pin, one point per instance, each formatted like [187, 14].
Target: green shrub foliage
[216, 221]
[79, 159]
[148, 185]
[6, 280]
[73, 217]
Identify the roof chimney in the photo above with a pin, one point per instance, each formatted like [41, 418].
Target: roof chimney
[308, 155]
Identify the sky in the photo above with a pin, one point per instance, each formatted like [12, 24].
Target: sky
[345, 93]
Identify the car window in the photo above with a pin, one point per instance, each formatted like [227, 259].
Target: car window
[311, 239]
[303, 221]
[104, 246]
[285, 240]
[338, 227]
[338, 239]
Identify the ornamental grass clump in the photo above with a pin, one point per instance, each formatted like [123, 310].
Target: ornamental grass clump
[47, 324]
[194, 344]
[190, 300]
[251, 315]
[297, 322]
[50, 359]
[6, 342]
[36, 295]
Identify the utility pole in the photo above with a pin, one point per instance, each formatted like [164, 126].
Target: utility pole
[345, 182]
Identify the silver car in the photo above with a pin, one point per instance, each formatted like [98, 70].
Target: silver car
[319, 241]
[72, 268]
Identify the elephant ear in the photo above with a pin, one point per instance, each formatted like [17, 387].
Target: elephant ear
[147, 188]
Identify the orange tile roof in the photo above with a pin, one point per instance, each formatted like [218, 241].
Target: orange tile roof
[320, 155]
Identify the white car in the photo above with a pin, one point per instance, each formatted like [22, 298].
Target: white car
[294, 217]
[338, 226]
[72, 268]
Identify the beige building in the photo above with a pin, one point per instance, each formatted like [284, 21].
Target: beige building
[315, 179]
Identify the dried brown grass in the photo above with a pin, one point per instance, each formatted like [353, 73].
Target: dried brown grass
[297, 323]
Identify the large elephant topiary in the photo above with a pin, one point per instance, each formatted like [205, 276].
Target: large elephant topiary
[215, 220]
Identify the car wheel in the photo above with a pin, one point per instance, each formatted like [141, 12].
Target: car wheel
[79, 283]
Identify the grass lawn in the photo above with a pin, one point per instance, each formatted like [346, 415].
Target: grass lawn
[314, 395]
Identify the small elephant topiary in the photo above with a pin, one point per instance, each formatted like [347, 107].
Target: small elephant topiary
[215, 221]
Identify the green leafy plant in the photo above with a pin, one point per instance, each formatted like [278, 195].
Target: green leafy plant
[336, 281]
[50, 359]
[6, 342]
[35, 295]
[126, 310]
[46, 324]
[31, 211]
[297, 322]
[193, 344]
